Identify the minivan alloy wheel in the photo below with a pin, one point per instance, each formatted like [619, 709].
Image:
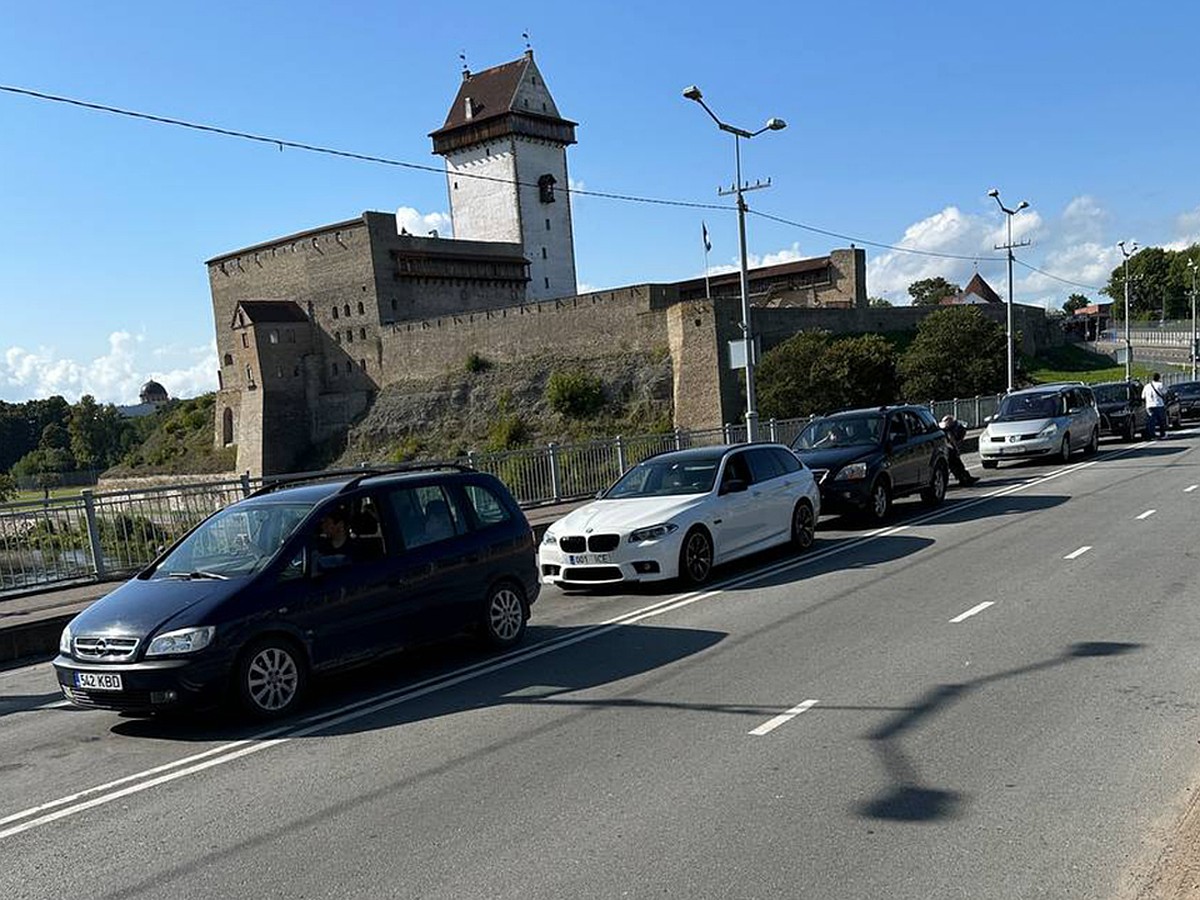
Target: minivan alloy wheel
[506, 614]
[272, 678]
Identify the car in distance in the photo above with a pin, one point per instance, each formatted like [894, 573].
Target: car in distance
[1188, 394]
[303, 577]
[1121, 408]
[1050, 420]
[678, 514]
[864, 459]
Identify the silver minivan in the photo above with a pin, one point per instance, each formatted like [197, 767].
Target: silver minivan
[1047, 420]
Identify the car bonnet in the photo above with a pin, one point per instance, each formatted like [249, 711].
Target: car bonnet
[139, 608]
[625, 514]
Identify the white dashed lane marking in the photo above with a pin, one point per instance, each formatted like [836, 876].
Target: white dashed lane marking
[1078, 553]
[771, 724]
[972, 611]
[1147, 514]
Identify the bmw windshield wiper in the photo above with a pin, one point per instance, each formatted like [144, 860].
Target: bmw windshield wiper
[198, 575]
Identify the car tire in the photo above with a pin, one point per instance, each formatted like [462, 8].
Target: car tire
[271, 677]
[936, 492]
[804, 526]
[1130, 432]
[1093, 444]
[1064, 451]
[504, 615]
[881, 501]
[988, 463]
[695, 558]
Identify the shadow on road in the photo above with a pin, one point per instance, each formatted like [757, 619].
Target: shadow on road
[907, 799]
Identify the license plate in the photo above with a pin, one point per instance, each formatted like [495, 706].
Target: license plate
[589, 559]
[98, 681]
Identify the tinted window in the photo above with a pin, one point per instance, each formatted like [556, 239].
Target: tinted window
[489, 510]
[424, 515]
[736, 469]
[896, 429]
[915, 424]
[823, 434]
[763, 464]
[928, 422]
[787, 460]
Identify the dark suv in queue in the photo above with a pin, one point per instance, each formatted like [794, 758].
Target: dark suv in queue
[304, 577]
[1123, 411]
[866, 458]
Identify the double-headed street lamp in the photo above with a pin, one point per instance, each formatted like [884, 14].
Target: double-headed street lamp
[773, 124]
[1127, 252]
[1192, 265]
[1008, 331]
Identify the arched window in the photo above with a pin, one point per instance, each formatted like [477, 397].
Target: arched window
[335, 312]
[229, 359]
[346, 310]
[361, 309]
[227, 427]
[362, 334]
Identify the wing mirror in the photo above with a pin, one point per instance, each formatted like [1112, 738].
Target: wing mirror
[734, 486]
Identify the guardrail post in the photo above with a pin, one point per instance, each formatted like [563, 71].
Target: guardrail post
[956, 408]
[93, 529]
[620, 455]
[771, 430]
[555, 488]
[975, 421]
[678, 438]
[471, 458]
[246, 483]
[726, 432]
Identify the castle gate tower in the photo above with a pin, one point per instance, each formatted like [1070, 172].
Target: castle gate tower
[504, 126]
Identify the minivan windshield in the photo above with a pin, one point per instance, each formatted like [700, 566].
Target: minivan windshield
[667, 475]
[237, 541]
[1030, 406]
[840, 431]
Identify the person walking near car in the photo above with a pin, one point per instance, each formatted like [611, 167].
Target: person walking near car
[956, 433]
[1155, 396]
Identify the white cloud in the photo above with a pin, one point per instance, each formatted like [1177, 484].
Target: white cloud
[950, 231]
[1187, 230]
[421, 224]
[754, 261]
[112, 377]
[1083, 220]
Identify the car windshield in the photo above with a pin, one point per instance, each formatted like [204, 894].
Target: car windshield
[666, 476]
[1111, 393]
[840, 431]
[239, 540]
[1187, 389]
[1029, 406]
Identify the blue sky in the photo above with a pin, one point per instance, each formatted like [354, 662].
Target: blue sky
[900, 116]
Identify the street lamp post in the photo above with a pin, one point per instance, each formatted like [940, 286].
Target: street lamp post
[1127, 252]
[1009, 213]
[1192, 265]
[773, 124]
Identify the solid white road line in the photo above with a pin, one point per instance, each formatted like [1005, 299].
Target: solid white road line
[972, 611]
[1078, 553]
[771, 724]
[1147, 514]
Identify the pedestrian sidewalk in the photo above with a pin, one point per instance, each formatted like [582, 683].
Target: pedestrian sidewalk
[31, 623]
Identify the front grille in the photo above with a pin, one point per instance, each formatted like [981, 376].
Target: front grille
[109, 699]
[109, 649]
[593, 573]
[572, 544]
[1000, 439]
[603, 543]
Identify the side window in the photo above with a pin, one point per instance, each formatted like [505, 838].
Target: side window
[913, 422]
[896, 429]
[424, 515]
[489, 510]
[763, 464]
[736, 470]
[349, 532]
[787, 461]
[928, 423]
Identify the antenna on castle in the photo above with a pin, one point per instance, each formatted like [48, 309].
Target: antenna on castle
[466, 72]
[528, 46]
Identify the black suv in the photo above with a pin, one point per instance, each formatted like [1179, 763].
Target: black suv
[1123, 411]
[303, 577]
[866, 458]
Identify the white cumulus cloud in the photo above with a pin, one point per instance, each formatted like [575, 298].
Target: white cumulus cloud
[420, 224]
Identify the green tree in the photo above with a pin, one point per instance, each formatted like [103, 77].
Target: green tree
[811, 372]
[8, 487]
[1074, 302]
[878, 303]
[1160, 284]
[930, 291]
[785, 384]
[957, 352]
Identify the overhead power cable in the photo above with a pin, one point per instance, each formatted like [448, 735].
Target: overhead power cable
[1078, 284]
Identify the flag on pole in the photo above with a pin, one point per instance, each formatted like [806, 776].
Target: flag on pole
[704, 231]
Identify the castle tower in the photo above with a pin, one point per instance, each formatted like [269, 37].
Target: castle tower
[505, 127]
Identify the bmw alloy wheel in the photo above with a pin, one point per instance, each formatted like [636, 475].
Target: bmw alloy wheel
[696, 557]
[804, 526]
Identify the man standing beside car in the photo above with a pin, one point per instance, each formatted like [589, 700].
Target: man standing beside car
[956, 433]
[1156, 407]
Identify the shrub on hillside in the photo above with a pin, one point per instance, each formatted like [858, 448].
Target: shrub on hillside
[476, 363]
[576, 395]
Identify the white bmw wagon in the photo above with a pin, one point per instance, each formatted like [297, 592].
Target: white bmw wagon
[680, 513]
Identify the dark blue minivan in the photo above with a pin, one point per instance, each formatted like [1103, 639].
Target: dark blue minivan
[302, 577]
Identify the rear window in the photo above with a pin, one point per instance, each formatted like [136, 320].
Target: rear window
[489, 509]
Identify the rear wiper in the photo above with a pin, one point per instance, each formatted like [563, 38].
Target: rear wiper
[190, 576]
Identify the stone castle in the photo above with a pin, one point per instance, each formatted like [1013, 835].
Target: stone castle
[311, 326]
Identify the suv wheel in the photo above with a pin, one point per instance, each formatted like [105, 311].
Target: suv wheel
[936, 492]
[504, 615]
[271, 678]
[1064, 452]
[804, 526]
[881, 501]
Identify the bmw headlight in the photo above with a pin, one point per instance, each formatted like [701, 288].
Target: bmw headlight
[64, 642]
[1049, 431]
[549, 539]
[184, 640]
[853, 472]
[652, 532]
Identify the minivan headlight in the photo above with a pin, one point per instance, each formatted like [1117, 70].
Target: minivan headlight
[1049, 430]
[183, 640]
[652, 532]
[853, 472]
[64, 642]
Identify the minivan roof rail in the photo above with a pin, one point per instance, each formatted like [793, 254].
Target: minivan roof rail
[357, 474]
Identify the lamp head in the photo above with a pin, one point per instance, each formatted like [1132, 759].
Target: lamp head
[692, 93]
[776, 124]
[1023, 204]
[994, 192]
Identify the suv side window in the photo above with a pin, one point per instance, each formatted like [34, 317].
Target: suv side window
[895, 427]
[927, 420]
[487, 506]
[424, 515]
[915, 425]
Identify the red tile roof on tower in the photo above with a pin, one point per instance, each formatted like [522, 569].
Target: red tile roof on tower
[976, 290]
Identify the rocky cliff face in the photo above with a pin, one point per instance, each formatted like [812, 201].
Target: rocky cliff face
[504, 407]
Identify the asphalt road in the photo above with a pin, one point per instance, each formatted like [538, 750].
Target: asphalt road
[853, 723]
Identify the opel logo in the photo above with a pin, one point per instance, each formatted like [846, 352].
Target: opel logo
[101, 645]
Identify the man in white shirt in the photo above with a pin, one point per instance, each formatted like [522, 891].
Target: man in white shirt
[1155, 396]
